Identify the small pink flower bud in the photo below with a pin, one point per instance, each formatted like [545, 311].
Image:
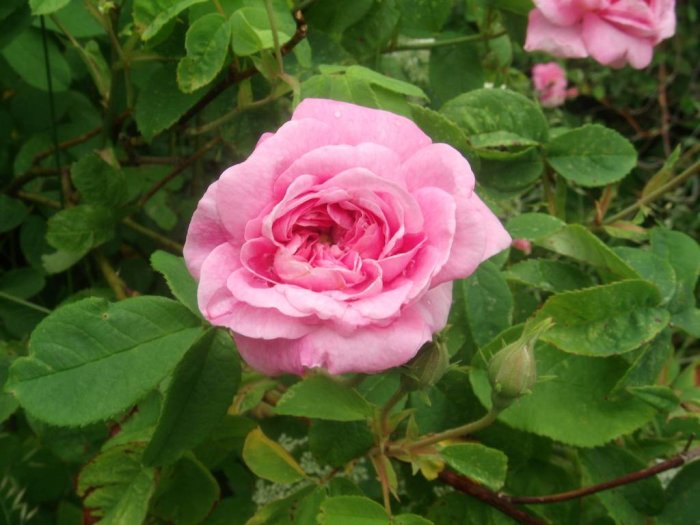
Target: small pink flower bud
[523, 245]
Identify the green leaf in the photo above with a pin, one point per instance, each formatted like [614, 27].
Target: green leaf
[488, 302]
[251, 32]
[421, 17]
[533, 226]
[438, 127]
[576, 397]
[98, 182]
[591, 155]
[180, 281]
[335, 443]
[22, 282]
[8, 404]
[323, 397]
[352, 510]
[81, 355]
[116, 487]
[604, 320]
[368, 37]
[299, 508]
[577, 242]
[150, 16]
[377, 79]
[45, 7]
[12, 213]
[484, 111]
[200, 391]
[682, 502]
[187, 492]
[411, 519]
[80, 228]
[512, 174]
[631, 503]
[268, 460]
[485, 465]
[25, 54]
[351, 89]
[652, 268]
[647, 365]
[206, 43]
[160, 102]
[683, 253]
[459, 509]
[550, 276]
[688, 321]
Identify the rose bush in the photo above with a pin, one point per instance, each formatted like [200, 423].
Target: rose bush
[613, 32]
[335, 243]
[550, 83]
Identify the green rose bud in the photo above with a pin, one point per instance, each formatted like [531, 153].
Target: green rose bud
[427, 368]
[512, 370]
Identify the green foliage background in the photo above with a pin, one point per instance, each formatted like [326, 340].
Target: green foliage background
[122, 406]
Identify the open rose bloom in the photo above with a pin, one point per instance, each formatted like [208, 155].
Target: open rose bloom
[613, 32]
[550, 83]
[336, 242]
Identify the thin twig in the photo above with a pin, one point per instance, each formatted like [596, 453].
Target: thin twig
[663, 104]
[176, 247]
[452, 433]
[694, 169]
[154, 235]
[489, 497]
[410, 46]
[178, 169]
[632, 477]
[19, 300]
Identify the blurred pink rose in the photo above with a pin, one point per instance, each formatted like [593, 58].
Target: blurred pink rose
[613, 32]
[550, 83]
[335, 243]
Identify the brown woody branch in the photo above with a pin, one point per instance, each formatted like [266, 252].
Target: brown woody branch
[234, 76]
[632, 477]
[489, 497]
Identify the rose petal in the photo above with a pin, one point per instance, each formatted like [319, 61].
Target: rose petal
[613, 47]
[369, 350]
[327, 161]
[357, 124]
[479, 235]
[245, 190]
[560, 12]
[560, 41]
[204, 233]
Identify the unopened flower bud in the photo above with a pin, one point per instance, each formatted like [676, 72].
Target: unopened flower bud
[512, 370]
[427, 368]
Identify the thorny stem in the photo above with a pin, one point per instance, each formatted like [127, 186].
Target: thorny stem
[464, 484]
[694, 169]
[386, 410]
[676, 461]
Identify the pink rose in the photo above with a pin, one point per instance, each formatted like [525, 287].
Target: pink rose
[550, 83]
[613, 32]
[335, 243]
